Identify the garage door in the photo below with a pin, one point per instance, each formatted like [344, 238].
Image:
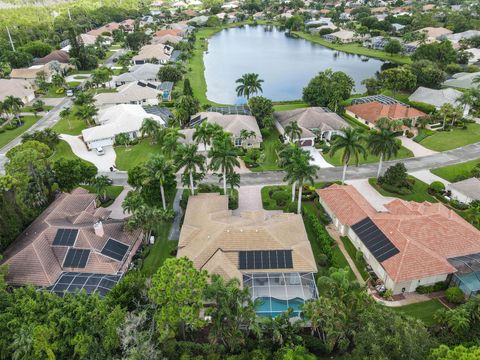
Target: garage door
[101, 143]
[306, 143]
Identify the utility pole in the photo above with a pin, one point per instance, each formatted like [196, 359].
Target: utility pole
[10, 38]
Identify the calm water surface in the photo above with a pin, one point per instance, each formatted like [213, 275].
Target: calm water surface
[286, 64]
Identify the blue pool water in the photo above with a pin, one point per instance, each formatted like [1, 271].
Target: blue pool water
[271, 307]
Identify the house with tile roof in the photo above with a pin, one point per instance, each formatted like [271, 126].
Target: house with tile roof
[269, 254]
[138, 93]
[370, 112]
[144, 72]
[158, 52]
[461, 80]
[408, 245]
[58, 55]
[315, 122]
[22, 89]
[438, 97]
[72, 235]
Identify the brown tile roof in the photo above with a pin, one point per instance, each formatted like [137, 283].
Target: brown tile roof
[426, 234]
[57, 55]
[32, 258]
[373, 111]
[106, 28]
[212, 237]
[175, 32]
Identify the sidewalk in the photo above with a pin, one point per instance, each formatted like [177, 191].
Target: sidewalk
[175, 229]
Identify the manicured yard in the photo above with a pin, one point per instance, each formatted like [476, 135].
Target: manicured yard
[290, 106]
[51, 93]
[156, 254]
[354, 48]
[452, 172]
[71, 126]
[9, 135]
[112, 192]
[270, 145]
[337, 158]
[447, 140]
[352, 251]
[129, 157]
[423, 311]
[45, 108]
[64, 151]
[419, 192]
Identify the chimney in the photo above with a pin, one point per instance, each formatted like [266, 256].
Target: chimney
[98, 227]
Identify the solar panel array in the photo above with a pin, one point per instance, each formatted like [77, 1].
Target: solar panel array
[76, 258]
[231, 110]
[265, 259]
[115, 249]
[90, 282]
[375, 240]
[65, 237]
[383, 99]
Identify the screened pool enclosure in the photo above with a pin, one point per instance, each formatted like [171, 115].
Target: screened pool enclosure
[467, 277]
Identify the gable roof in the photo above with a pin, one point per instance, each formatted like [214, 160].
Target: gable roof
[129, 92]
[462, 80]
[233, 124]
[33, 259]
[156, 51]
[57, 55]
[143, 72]
[426, 234]
[212, 237]
[106, 28]
[374, 110]
[311, 118]
[436, 97]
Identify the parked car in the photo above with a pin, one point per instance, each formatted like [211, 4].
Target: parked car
[70, 92]
[100, 151]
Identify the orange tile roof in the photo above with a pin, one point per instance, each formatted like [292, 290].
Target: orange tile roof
[374, 110]
[176, 32]
[426, 234]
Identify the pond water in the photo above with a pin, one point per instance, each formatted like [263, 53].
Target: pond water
[285, 64]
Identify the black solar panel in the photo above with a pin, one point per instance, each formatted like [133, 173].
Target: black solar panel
[65, 237]
[266, 259]
[90, 282]
[76, 258]
[115, 249]
[375, 240]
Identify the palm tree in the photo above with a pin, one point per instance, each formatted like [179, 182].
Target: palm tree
[65, 114]
[13, 105]
[301, 170]
[122, 138]
[246, 134]
[203, 134]
[83, 98]
[150, 127]
[351, 142]
[161, 169]
[384, 144]
[467, 99]
[87, 113]
[293, 131]
[224, 157]
[233, 179]
[249, 84]
[288, 156]
[446, 112]
[169, 140]
[187, 157]
[100, 184]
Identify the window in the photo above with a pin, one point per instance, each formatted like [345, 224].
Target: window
[238, 142]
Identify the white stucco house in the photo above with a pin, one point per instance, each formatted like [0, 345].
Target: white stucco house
[115, 120]
[139, 93]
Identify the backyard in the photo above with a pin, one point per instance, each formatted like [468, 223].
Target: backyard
[423, 311]
[419, 191]
[9, 135]
[289, 105]
[447, 140]
[452, 172]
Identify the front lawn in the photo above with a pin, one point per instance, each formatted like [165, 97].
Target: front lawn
[337, 158]
[9, 135]
[423, 311]
[64, 151]
[71, 125]
[270, 146]
[52, 93]
[46, 108]
[112, 193]
[447, 140]
[452, 172]
[419, 191]
[129, 157]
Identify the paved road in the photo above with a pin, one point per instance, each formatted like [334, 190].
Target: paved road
[466, 153]
[47, 121]
[110, 62]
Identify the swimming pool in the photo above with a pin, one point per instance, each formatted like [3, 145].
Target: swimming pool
[271, 307]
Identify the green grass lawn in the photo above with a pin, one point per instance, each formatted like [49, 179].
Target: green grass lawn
[129, 157]
[71, 126]
[81, 77]
[112, 193]
[451, 172]
[352, 251]
[157, 253]
[64, 151]
[270, 145]
[337, 158]
[447, 140]
[51, 93]
[45, 108]
[73, 84]
[419, 193]
[290, 106]
[354, 48]
[423, 311]
[9, 135]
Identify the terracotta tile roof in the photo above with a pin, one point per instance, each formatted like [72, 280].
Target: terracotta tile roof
[212, 237]
[373, 111]
[426, 234]
[57, 55]
[106, 28]
[175, 32]
[33, 259]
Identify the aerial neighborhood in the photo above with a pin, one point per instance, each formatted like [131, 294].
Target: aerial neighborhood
[215, 179]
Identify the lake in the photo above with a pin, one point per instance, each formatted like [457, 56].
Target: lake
[285, 64]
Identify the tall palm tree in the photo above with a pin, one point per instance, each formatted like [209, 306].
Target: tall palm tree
[187, 157]
[384, 144]
[160, 168]
[87, 113]
[13, 105]
[351, 142]
[168, 138]
[100, 184]
[293, 131]
[223, 157]
[249, 84]
[150, 127]
[467, 99]
[288, 156]
[203, 134]
[301, 170]
[65, 114]
[247, 134]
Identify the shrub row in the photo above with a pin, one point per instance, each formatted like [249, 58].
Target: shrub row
[427, 289]
[323, 238]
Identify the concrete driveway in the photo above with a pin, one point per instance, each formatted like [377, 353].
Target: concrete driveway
[317, 157]
[249, 199]
[417, 149]
[375, 199]
[427, 177]
[116, 207]
[103, 163]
